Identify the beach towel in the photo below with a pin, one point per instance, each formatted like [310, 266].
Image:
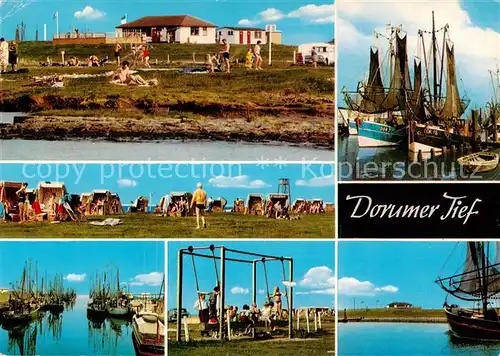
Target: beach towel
[107, 222]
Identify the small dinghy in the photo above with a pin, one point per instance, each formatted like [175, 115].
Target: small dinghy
[479, 162]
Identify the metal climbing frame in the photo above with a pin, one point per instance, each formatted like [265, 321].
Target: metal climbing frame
[192, 251]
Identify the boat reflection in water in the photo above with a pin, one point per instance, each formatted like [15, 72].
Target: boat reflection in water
[69, 332]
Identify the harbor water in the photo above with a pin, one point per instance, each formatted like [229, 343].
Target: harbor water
[395, 339]
[391, 163]
[167, 150]
[70, 333]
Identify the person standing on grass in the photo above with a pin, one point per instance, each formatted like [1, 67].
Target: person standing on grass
[118, 51]
[13, 55]
[4, 55]
[199, 201]
[203, 313]
[226, 47]
[22, 202]
[145, 56]
[314, 57]
[258, 57]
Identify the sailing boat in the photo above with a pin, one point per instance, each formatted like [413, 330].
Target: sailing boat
[376, 111]
[434, 110]
[23, 303]
[478, 283]
[97, 305]
[121, 305]
[493, 107]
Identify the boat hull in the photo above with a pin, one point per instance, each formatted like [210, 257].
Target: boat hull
[96, 314]
[119, 312]
[471, 328]
[353, 128]
[436, 137]
[143, 347]
[374, 134]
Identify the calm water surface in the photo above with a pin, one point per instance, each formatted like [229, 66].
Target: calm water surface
[397, 339]
[69, 334]
[387, 163]
[168, 150]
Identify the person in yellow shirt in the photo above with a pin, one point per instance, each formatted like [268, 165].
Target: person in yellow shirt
[199, 201]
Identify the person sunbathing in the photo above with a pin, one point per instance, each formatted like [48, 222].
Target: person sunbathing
[124, 76]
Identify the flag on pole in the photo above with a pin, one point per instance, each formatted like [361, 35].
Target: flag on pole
[56, 15]
[123, 20]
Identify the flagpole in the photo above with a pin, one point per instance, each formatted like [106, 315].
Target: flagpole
[57, 23]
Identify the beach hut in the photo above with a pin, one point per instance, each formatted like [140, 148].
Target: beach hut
[140, 205]
[49, 195]
[176, 199]
[299, 206]
[103, 202]
[239, 206]
[329, 207]
[162, 207]
[116, 206]
[9, 199]
[255, 204]
[317, 206]
[274, 198]
[218, 205]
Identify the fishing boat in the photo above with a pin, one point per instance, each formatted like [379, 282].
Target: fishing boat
[434, 107]
[120, 305]
[148, 334]
[373, 110]
[478, 283]
[479, 162]
[98, 300]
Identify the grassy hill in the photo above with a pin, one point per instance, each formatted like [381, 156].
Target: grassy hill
[32, 51]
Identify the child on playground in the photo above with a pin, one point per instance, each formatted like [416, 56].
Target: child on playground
[209, 63]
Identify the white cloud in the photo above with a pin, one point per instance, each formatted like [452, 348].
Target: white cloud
[318, 277]
[247, 22]
[239, 290]
[476, 48]
[323, 181]
[271, 14]
[89, 13]
[237, 182]
[328, 291]
[74, 277]
[261, 291]
[352, 286]
[127, 183]
[150, 279]
[318, 14]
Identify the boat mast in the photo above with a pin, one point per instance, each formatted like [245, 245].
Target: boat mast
[434, 60]
[484, 278]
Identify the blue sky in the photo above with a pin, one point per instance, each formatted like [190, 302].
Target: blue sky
[230, 181]
[313, 273]
[397, 271]
[140, 263]
[299, 23]
[474, 30]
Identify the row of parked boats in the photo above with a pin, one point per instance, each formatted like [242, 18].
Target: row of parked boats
[426, 115]
[31, 295]
[107, 299]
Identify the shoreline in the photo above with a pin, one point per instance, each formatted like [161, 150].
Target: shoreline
[409, 320]
[312, 133]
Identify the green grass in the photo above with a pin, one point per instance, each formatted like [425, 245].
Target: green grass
[221, 225]
[32, 51]
[393, 313]
[321, 345]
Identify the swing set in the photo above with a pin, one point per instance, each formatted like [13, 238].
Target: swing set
[225, 255]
